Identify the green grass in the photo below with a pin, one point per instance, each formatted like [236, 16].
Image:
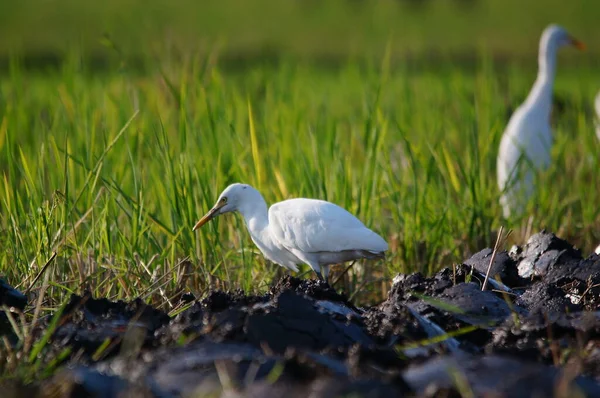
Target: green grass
[112, 168]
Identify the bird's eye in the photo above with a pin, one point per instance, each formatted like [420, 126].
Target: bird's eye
[224, 200]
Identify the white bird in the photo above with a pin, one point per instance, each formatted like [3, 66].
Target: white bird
[597, 107]
[296, 231]
[527, 140]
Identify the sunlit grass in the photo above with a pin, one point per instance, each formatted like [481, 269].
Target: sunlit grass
[388, 109]
[111, 171]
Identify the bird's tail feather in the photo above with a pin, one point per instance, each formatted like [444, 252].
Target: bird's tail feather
[372, 255]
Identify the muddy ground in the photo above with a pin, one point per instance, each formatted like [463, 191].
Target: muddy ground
[535, 331]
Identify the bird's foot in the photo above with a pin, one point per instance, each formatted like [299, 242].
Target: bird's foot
[324, 279]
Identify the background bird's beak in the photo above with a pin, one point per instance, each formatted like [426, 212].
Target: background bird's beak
[577, 44]
[212, 213]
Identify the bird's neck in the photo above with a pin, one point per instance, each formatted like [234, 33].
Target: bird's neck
[256, 216]
[540, 96]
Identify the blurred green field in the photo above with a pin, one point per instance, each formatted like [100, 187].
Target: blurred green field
[392, 110]
[327, 30]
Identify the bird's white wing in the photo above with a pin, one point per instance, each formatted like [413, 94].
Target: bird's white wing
[525, 146]
[311, 226]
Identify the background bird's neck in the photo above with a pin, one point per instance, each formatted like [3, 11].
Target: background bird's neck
[541, 93]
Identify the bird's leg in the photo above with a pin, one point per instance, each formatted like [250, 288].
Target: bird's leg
[319, 276]
[340, 276]
[325, 273]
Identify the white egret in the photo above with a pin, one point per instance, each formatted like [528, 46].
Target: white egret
[527, 140]
[295, 231]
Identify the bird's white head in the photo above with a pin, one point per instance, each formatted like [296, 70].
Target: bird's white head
[556, 36]
[236, 197]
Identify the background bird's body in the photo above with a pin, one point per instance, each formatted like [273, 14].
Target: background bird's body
[524, 149]
[296, 231]
[526, 144]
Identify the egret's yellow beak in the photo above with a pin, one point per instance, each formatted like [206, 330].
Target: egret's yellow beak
[577, 44]
[212, 213]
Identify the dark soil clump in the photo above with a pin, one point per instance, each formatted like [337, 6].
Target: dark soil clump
[534, 331]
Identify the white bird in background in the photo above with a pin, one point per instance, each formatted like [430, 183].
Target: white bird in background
[295, 231]
[597, 107]
[527, 140]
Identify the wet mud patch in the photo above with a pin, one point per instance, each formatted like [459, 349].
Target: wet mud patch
[534, 331]
[98, 328]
